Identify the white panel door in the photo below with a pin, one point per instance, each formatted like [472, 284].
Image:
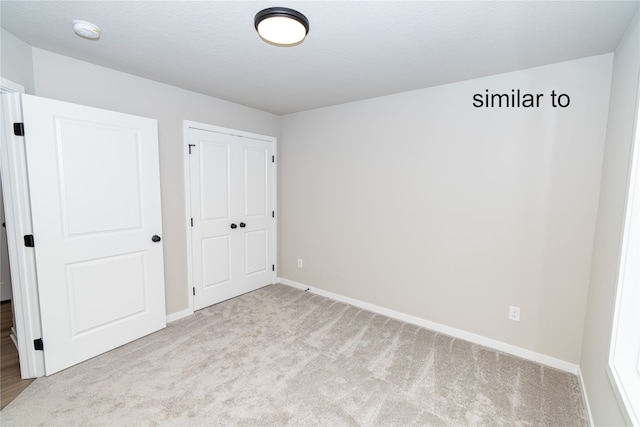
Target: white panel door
[257, 225]
[232, 180]
[95, 199]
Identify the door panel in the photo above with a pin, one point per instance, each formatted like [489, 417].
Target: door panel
[256, 251]
[105, 291]
[256, 181]
[216, 270]
[95, 199]
[232, 180]
[109, 204]
[214, 179]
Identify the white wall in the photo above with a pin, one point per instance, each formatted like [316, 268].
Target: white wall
[15, 60]
[609, 229]
[63, 78]
[420, 203]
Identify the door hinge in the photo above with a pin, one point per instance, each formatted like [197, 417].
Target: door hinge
[191, 145]
[18, 129]
[273, 159]
[273, 267]
[28, 241]
[38, 345]
[192, 222]
[194, 290]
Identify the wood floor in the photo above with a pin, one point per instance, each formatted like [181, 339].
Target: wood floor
[11, 385]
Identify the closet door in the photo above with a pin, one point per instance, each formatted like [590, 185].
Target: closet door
[232, 192]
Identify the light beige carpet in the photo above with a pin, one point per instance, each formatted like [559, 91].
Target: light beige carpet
[279, 356]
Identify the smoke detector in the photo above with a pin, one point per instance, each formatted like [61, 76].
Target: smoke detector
[86, 29]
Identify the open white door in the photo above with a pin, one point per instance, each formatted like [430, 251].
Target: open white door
[95, 199]
[232, 208]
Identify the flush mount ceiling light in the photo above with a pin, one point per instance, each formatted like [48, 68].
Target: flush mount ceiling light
[86, 29]
[281, 26]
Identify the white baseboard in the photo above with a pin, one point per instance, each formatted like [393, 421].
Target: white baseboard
[585, 396]
[179, 315]
[447, 330]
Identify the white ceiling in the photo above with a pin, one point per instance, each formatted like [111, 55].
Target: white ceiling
[355, 49]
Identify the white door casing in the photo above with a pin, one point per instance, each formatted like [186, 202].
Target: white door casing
[25, 302]
[95, 201]
[5, 275]
[232, 200]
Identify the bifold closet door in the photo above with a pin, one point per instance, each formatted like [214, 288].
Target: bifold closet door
[232, 197]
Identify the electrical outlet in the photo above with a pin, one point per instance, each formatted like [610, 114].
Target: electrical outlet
[299, 262]
[514, 313]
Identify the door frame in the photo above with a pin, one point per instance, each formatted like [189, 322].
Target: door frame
[15, 188]
[186, 125]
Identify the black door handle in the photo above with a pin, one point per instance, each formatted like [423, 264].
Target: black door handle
[243, 225]
[156, 238]
[234, 226]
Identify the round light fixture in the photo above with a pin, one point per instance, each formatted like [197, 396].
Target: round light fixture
[86, 29]
[281, 26]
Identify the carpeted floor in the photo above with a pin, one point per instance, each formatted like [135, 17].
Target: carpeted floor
[279, 356]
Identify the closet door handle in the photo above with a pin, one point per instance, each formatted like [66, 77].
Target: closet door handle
[234, 226]
[155, 239]
[243, 225]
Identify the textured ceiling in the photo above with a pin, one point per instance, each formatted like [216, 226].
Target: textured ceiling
[355, 49]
